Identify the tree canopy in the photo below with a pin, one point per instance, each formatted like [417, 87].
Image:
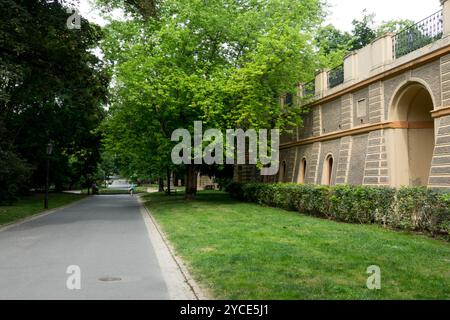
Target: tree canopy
[225, 63]
[53, 89]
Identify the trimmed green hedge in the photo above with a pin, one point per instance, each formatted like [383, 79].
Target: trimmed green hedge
[409, 208]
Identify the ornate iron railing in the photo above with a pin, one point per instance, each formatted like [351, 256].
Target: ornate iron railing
[418, 35]
[336, 76]
[309, 89]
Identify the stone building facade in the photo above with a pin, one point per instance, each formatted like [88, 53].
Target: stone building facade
[382, 119]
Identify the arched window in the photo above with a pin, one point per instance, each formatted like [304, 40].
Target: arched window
[327, 175]
[302, 172]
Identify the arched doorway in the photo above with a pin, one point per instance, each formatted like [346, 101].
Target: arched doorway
[411, 146]
[302, 172]
[327, 175]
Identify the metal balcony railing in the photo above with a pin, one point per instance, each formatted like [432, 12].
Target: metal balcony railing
[336, 76]
[418, 35]
[309, 89]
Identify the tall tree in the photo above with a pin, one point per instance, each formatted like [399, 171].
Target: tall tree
[225, 63]
[364, 31]
[333, 45]
[53, 86]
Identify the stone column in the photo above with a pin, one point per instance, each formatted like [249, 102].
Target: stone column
[446, 12]
[382, 51]
[321, 82]
[351, 66]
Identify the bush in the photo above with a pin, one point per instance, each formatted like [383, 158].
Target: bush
[313, 200]
[413, 209]
[421, 209]
[358, 204]
[14, 174]
[223, 183]
[235, 189]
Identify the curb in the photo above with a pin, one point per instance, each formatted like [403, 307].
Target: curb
[194, 288]
[38, 215]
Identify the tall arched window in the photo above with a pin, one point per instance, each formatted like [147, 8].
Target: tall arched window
[302, 172]
[327, 175]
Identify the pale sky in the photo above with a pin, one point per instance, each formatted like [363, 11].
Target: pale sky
[344, 11]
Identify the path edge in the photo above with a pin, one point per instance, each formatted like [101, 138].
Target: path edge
[196, 292]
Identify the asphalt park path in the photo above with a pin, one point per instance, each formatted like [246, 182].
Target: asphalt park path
[105, 236]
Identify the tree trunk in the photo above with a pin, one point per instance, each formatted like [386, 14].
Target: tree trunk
[191, 182]
[168, 182]
[161, 185]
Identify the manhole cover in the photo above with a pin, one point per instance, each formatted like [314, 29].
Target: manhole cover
[110, 279]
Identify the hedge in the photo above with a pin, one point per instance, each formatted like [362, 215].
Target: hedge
[410, 208]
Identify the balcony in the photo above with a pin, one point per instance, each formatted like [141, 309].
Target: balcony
[309, 89]
[336, 76]
[418, 35]
[384, 53]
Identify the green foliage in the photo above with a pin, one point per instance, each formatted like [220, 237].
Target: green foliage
[413, 209]
[147, 9]
[236, 190]
[313, 200]
[363, 31]
[333, 45]
[52, 88]
[14, 176]
[358, 204]
[394, 26]
[421, 209]
[225, 63]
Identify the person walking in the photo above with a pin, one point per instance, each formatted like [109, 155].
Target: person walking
[132, 189]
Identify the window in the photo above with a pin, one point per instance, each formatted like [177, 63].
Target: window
[288, 99]
[361, 108]
[302, 173]
[327, 175]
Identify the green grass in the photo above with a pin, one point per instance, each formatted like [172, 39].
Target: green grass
[28, 206]
[245, 251]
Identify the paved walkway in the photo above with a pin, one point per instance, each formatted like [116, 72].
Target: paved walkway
[104, 235]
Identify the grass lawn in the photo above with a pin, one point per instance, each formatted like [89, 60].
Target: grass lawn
[28, 206]
[245, 251]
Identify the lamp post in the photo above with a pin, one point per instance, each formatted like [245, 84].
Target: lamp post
[49, 152]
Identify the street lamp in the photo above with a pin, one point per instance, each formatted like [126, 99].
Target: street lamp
[49, 152]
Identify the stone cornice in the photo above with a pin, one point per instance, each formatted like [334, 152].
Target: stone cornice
[361, 130]
[441, 112]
